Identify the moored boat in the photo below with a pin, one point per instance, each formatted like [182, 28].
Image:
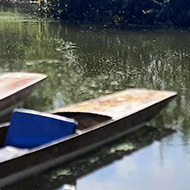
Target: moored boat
[99, 121]
[14, 88]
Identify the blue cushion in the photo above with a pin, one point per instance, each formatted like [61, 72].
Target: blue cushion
[29, 129]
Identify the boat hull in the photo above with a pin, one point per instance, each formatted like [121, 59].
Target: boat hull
[70, 148]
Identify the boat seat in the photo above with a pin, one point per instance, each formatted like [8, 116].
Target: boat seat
[29, 129]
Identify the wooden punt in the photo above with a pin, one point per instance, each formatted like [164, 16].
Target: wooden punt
[99, 121]
[15, 87]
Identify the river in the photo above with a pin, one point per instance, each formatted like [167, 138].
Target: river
[84, 62]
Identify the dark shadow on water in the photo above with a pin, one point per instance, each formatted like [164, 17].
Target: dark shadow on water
[70, 172]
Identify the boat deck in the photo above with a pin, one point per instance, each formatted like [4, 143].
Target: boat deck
[12, 83]
[14, 88]
[120, 104]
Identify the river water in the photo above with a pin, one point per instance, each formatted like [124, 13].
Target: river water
[83, 62]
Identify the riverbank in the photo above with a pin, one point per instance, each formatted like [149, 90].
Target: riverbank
[119, 12]
[110, 13]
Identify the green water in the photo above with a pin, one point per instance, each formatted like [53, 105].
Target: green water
[84, 62]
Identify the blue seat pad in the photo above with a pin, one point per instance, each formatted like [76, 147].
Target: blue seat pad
[29, 129]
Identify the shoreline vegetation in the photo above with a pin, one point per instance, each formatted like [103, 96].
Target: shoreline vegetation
[146, 13]
[172, 13]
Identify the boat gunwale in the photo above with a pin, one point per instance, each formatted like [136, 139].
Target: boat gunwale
[60, 140]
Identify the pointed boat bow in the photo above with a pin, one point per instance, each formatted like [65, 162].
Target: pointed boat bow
[15, 87]
[123, 103]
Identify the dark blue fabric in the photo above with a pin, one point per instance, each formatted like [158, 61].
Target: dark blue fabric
[29, 130]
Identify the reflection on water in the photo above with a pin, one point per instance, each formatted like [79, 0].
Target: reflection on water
[158, 166]
[83, 62]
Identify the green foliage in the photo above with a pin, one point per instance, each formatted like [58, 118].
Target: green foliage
[146, 12]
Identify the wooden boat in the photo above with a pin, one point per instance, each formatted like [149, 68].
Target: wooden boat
[15, 87]
[99, 121]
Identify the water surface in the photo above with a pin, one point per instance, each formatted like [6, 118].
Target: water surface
[84, 62]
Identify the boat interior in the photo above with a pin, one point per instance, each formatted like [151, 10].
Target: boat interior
[84, 121]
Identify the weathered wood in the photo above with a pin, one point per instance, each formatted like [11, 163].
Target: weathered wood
[120, 104]
[15, 87]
